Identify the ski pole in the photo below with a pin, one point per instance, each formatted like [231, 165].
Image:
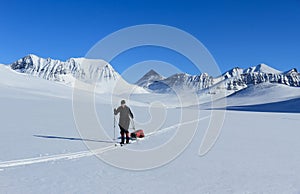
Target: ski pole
[133, 125]
[114, 127]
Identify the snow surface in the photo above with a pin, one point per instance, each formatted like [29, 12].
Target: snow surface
[263, 93]
[42, 151]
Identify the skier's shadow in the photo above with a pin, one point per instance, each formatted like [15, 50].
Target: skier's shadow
[72, 138]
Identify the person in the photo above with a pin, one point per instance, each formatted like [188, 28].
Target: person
[124, 120]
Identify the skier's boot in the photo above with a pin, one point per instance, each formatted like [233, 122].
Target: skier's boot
[127, 138]
[122, 139]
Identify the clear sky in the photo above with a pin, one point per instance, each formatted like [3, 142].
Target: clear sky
[237, 33]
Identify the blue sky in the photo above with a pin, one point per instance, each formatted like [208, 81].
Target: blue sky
[237, 33]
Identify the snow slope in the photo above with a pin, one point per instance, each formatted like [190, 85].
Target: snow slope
[263, 93]
[42, 151]
[265, 97]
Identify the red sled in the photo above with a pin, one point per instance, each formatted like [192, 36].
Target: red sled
[137, 134]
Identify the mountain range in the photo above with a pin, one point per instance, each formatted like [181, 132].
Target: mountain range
[233, 80]
[68, 71]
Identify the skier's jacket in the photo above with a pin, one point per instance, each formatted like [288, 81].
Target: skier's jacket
[125, 114]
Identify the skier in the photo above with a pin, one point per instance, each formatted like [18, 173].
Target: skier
[125, 115]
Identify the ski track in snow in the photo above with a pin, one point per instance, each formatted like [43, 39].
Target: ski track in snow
[81, 154]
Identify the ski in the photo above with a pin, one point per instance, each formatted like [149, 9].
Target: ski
[132, 141]
[120, 145]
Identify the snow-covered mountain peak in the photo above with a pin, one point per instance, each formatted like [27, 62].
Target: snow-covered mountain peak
[68, 71]
[233, 72]
[152, 73]
[30, 63]
[87, 71]
[32, 56]
[150, 77]
[262, 68]
[294, 70]
[96, 69]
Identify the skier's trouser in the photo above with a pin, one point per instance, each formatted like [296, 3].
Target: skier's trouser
[123, 132]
